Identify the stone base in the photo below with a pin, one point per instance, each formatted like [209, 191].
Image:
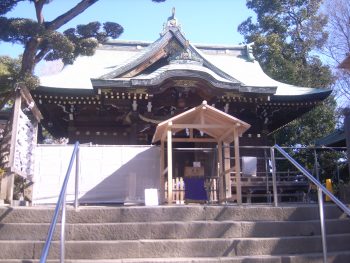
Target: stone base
[19, 203]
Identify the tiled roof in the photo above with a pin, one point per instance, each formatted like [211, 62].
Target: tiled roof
[227, 65]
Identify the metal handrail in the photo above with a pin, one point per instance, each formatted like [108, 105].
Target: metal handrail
[61, 203]
[320, 191]
[314, 180]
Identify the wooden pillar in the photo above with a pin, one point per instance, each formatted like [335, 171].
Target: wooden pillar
[162, 179]
[11, 142]
[7, 182]
[237, 167]
[170, 164]
[6, 187]
[220, 170]
[227, 156]
[15, 117]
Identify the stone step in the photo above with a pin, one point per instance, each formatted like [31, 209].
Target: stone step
[342, 257]
[173, 230]
[190, 233]
[173, 248]
[169, 213]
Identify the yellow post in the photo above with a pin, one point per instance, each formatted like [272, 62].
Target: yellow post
[329, 187]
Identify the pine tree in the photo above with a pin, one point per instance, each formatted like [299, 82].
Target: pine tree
[42, 40]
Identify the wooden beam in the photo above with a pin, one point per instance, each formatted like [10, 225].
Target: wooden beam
[220, 167]
[31, 103]
[227, 164]
[162, 179]
[232, 169]
[15, 118]
[7, 186]
[227, 133]
[193, 140]
[201, 126]
[238, 167]
[170, 165]
[162, 138]
[145, 64]
[10, 176]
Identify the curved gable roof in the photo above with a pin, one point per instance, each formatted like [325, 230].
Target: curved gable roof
[157, 47]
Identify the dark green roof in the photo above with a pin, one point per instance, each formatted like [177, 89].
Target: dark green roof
[335, 139]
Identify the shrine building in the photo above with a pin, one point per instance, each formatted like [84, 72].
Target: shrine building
[121, 93]
[132, 94]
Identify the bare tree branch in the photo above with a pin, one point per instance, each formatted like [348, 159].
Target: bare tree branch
[69, 15]
[39, 4]
[42, 53]
[338, 46]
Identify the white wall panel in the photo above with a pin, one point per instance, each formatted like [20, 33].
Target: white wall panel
[108, 174]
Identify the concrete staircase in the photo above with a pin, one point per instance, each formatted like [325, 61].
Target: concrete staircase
[185, 234]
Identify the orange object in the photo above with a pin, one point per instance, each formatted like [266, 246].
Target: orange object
[329, 187]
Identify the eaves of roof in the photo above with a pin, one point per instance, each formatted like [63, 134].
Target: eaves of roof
[336, 138]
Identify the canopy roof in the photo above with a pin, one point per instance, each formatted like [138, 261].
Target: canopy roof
[211, 121]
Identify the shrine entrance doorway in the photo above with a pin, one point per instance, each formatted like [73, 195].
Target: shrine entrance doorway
[214, 126]
[195, 173]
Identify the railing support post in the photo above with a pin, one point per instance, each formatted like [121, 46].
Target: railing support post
[323, 226]
[316, 165]
[61, 204]
[77, 174]
[63, 226]
[274, 183]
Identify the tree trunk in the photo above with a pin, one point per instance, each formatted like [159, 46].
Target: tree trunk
[28, 60]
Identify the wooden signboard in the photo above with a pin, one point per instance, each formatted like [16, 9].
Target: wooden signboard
[19, 140]
[194, 171]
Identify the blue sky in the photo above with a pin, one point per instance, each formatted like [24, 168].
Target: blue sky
[202, 21]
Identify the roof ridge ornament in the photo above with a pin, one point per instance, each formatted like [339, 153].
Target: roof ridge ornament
[171, 23]
[184, 56]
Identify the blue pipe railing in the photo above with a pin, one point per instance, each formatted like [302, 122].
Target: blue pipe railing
[61, 203]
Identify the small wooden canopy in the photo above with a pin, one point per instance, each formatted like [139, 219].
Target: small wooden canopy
[213, 122]
[222, 127]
